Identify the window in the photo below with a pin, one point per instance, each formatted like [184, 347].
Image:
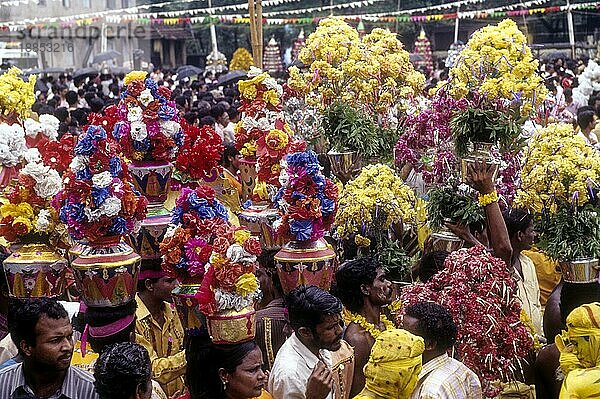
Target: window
[66, 3]
[124, 3]
[111, 4]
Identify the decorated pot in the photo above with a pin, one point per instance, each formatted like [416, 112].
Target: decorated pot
[224, 192]
[248, 174]
[7, 174]
[259, 220]
[482, 152]
[106, 272]
[445, 240]
[35, 270]
[147, 241]
[152, 179]
[344, 164]
[306, 263]
[583, 270]
[184, 298]
[231, 326]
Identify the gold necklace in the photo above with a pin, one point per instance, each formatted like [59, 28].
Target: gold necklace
[370, 327]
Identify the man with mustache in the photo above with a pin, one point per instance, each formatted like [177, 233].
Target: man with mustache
[362, 286]
[42, 332]
[315, 362]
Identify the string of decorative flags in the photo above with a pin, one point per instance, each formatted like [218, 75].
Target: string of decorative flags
[149, 19]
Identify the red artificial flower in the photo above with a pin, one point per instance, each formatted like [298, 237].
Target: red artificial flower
[252, 246]
[165, 92]
[206, 192]
[135, 88]
[331, 190]
[227, 275]
[205, 295]
[221, 245]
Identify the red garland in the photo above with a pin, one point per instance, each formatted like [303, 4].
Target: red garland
[480, 294]
[201, 150]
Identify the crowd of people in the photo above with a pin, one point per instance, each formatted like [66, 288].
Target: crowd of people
[355, 340]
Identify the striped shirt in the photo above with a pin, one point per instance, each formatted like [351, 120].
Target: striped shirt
[446, 378]
[78, 384]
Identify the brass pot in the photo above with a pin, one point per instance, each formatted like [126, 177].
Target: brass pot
[580, 271]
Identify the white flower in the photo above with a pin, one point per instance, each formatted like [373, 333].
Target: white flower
[237, 254]
[134, 114]
[92, 214]
[272, 84]
[32, 155]
[36, 170]
[32, 127]
[253, 72]
[111, 206]
[146, 97]
[43, 221]
[101, 180]
[79, 162]
[228, 300]
[50, 125]
[284, 178]
[138, 131]
[169, 128]
[49, 185]
[12, 144]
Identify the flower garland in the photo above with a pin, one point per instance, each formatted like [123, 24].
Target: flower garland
[230, 283]
[307, 200]
[198, 218]
[559, 170]
[201, 151]
[375, 200]
[481, 295]
[370, 327]
[98, 199]
[149, 126]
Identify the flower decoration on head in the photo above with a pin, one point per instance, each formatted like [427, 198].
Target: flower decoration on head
[16, 95]
[230, 283]
[26, 209]
[307, 200]
[148, 128]
[262, 132]
[99, 199]
[197, 219]
[479, 292]
[201, 151]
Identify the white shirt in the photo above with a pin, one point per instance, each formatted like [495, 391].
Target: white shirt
[293, 365]
[446, 378]
[528, 291]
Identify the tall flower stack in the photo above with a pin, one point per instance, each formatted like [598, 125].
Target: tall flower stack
[149, 133]
[559, 184]
[30, 224]
[16, 99]
[230, 288]
[307, 203]
[359, 84]
[375, 211]
[100, 206]
[481, 295]
[200, 224]
[497, 74]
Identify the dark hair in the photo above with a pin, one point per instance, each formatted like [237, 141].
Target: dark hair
[435, 323]
[573, 295]
[99, 317]
[217, 111]
[431, 263]
[350, 277]
[307, 305]
[61, 114]
[516, 220]
[182, 101]
[121, 369]
[96, 104]
[148, 264]
[72, 97]
[232, 112]
[229, 151]
[191, 117]
[207, 120]
[204, 363]
[585, 118]
[266, 259]
[26, 313]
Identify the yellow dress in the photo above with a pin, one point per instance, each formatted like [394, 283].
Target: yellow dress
[545, 268]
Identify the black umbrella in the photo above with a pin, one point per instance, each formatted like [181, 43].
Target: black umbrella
[85, 73]
[105, 56]
[119, 70]
[187, 71]
[231, 77]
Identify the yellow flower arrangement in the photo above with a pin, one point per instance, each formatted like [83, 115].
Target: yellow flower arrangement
[241, 236]
[249, 149]
[241, 60]
[557, 171]
[498, 64]
[246, 284]
[16, 95]
[374, 72]
[133, 76]
[376, 193]
[249, 88]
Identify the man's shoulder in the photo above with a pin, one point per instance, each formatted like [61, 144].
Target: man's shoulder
[81, 375]
[10, 371]
[451, 376]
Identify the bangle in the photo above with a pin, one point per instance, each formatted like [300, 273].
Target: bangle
[486, 199]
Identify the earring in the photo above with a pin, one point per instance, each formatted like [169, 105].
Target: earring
[224, 385]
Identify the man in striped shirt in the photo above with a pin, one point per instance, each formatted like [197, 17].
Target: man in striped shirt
[442, 377]
[42, 332]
